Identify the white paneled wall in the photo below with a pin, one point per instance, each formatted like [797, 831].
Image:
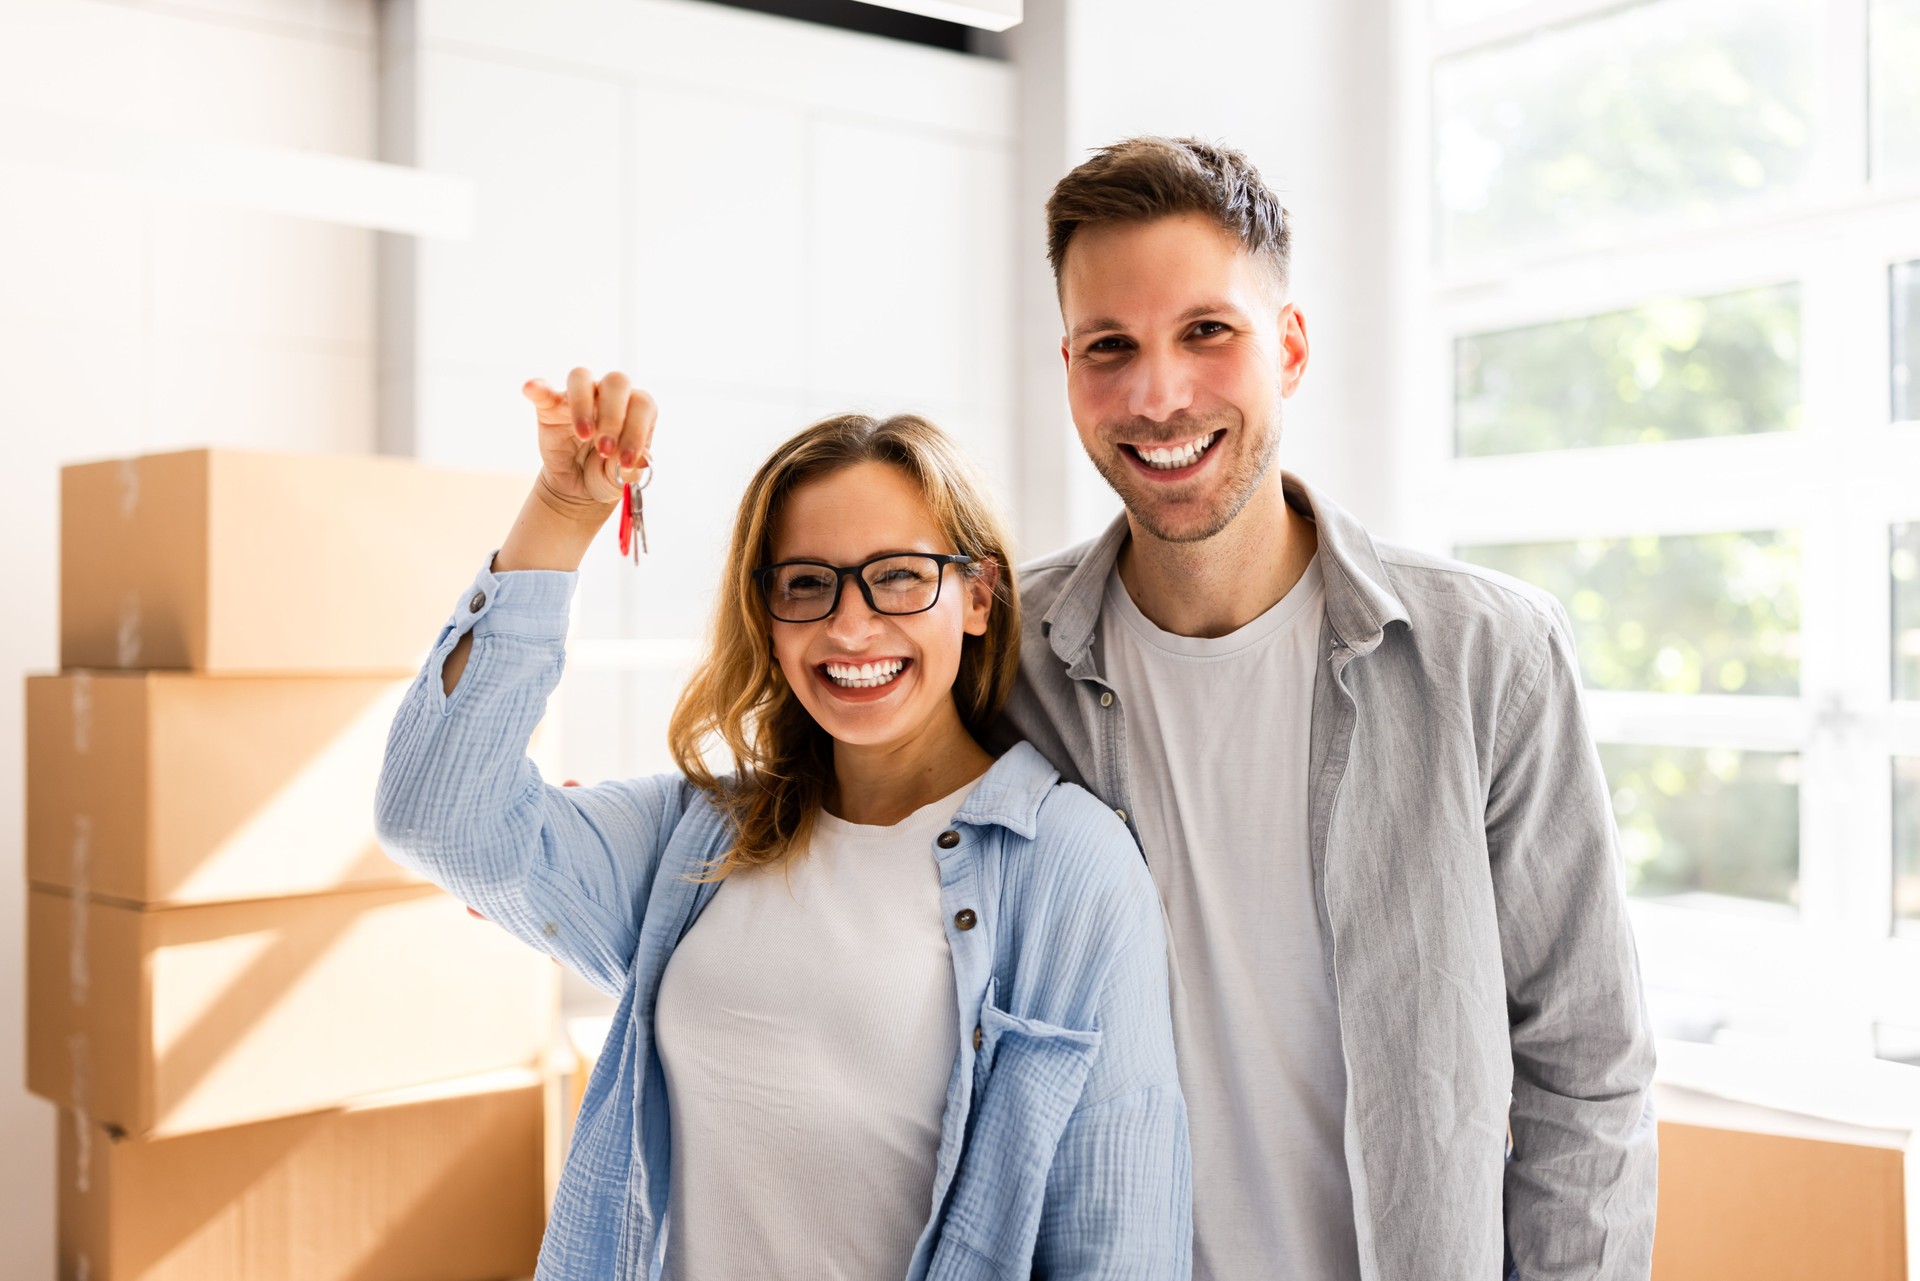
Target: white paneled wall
[763, 221]
[131, 323]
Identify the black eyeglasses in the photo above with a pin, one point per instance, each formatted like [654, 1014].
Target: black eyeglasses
[805, 591]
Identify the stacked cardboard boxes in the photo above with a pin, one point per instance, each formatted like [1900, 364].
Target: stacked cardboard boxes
[278, 1054]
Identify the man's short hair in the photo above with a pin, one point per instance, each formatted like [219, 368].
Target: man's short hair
[1140, 179]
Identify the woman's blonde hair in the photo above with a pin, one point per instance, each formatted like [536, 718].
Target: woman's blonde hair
[782, 759]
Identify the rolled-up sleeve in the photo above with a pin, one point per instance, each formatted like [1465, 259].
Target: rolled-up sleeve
[566, 870]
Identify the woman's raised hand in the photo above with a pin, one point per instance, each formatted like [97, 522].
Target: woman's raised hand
[594, 436]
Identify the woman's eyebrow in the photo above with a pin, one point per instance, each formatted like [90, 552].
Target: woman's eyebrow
[874, 555]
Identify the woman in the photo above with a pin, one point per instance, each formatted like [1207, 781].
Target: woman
[889, 1007]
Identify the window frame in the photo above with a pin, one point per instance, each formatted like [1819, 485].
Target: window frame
[1828, 977]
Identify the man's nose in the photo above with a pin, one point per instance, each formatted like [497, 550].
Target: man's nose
[1159, 386]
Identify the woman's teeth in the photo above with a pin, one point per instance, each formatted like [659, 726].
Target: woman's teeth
[1184, 456]
[864, 675]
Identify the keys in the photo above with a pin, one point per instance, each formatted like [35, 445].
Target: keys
[633, 520]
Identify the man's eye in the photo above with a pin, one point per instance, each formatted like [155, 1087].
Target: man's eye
[1104, 345]
[1208, 328]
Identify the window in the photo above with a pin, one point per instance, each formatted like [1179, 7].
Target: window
[1674, 285]
[1707, 821]
[1895, 42]
[1674, 369]
[1906, 841]
[1684, 614]
[1672, 112]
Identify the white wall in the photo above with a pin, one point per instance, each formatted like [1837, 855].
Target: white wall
[131, 324]
[1301, 86]
[763, 221]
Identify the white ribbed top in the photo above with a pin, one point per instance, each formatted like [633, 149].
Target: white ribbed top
[808, 1030]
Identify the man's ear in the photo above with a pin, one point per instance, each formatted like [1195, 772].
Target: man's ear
[1293, 349]
[980, 586]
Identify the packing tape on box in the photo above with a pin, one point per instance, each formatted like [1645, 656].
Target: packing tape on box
[82, 1125]
[129, 636]
[129, 487]
[80, 872]
[79, 979]
[82, 713]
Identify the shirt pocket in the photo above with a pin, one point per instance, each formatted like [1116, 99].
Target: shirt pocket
[1028, 1077]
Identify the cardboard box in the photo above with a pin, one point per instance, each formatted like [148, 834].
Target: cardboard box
[173, 1020]
[216, 560]
[444, 1184]
[1753, 1193]
[172, 788]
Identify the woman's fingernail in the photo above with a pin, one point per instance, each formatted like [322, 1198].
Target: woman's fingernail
[606, 446]
[626, 458]
[583, 430]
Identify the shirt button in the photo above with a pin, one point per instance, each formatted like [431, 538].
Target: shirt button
[1106, 699]
[965, 919]
[979, 1038]
[478, 603]
[948, 839]
[1122, 814]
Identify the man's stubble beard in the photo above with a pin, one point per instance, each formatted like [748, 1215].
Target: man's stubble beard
[1237, 492]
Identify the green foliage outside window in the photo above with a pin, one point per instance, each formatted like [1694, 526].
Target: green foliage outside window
[1670, 370]
[1895, 40]
[1906, 843]
[1706, 820]
[1906, 342]
[1683, 614]
[1676, 110]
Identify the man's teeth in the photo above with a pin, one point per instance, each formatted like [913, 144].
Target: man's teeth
[1168, 459]
[865, 675]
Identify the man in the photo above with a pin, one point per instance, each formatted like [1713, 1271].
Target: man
[1361, 778]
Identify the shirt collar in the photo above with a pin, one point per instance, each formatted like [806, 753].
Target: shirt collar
[1010, 792]
[1360, 602]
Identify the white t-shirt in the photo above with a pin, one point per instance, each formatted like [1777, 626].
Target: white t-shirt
[807, 1027]
[1217, 744]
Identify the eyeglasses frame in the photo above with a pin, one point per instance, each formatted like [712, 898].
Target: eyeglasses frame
[763, 576]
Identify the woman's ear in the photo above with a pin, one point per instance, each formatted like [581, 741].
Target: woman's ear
[980, 585]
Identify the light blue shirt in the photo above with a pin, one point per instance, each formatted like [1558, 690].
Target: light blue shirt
[1063, 1144]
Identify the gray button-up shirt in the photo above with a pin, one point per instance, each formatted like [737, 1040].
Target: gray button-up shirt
[1470, 894]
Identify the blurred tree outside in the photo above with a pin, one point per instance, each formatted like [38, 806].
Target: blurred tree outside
[1681, 614]
[1706, 820]
[1894, 36]
[1905, 321]
[1677, 110]
[1674, 369]
[1904, 564]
